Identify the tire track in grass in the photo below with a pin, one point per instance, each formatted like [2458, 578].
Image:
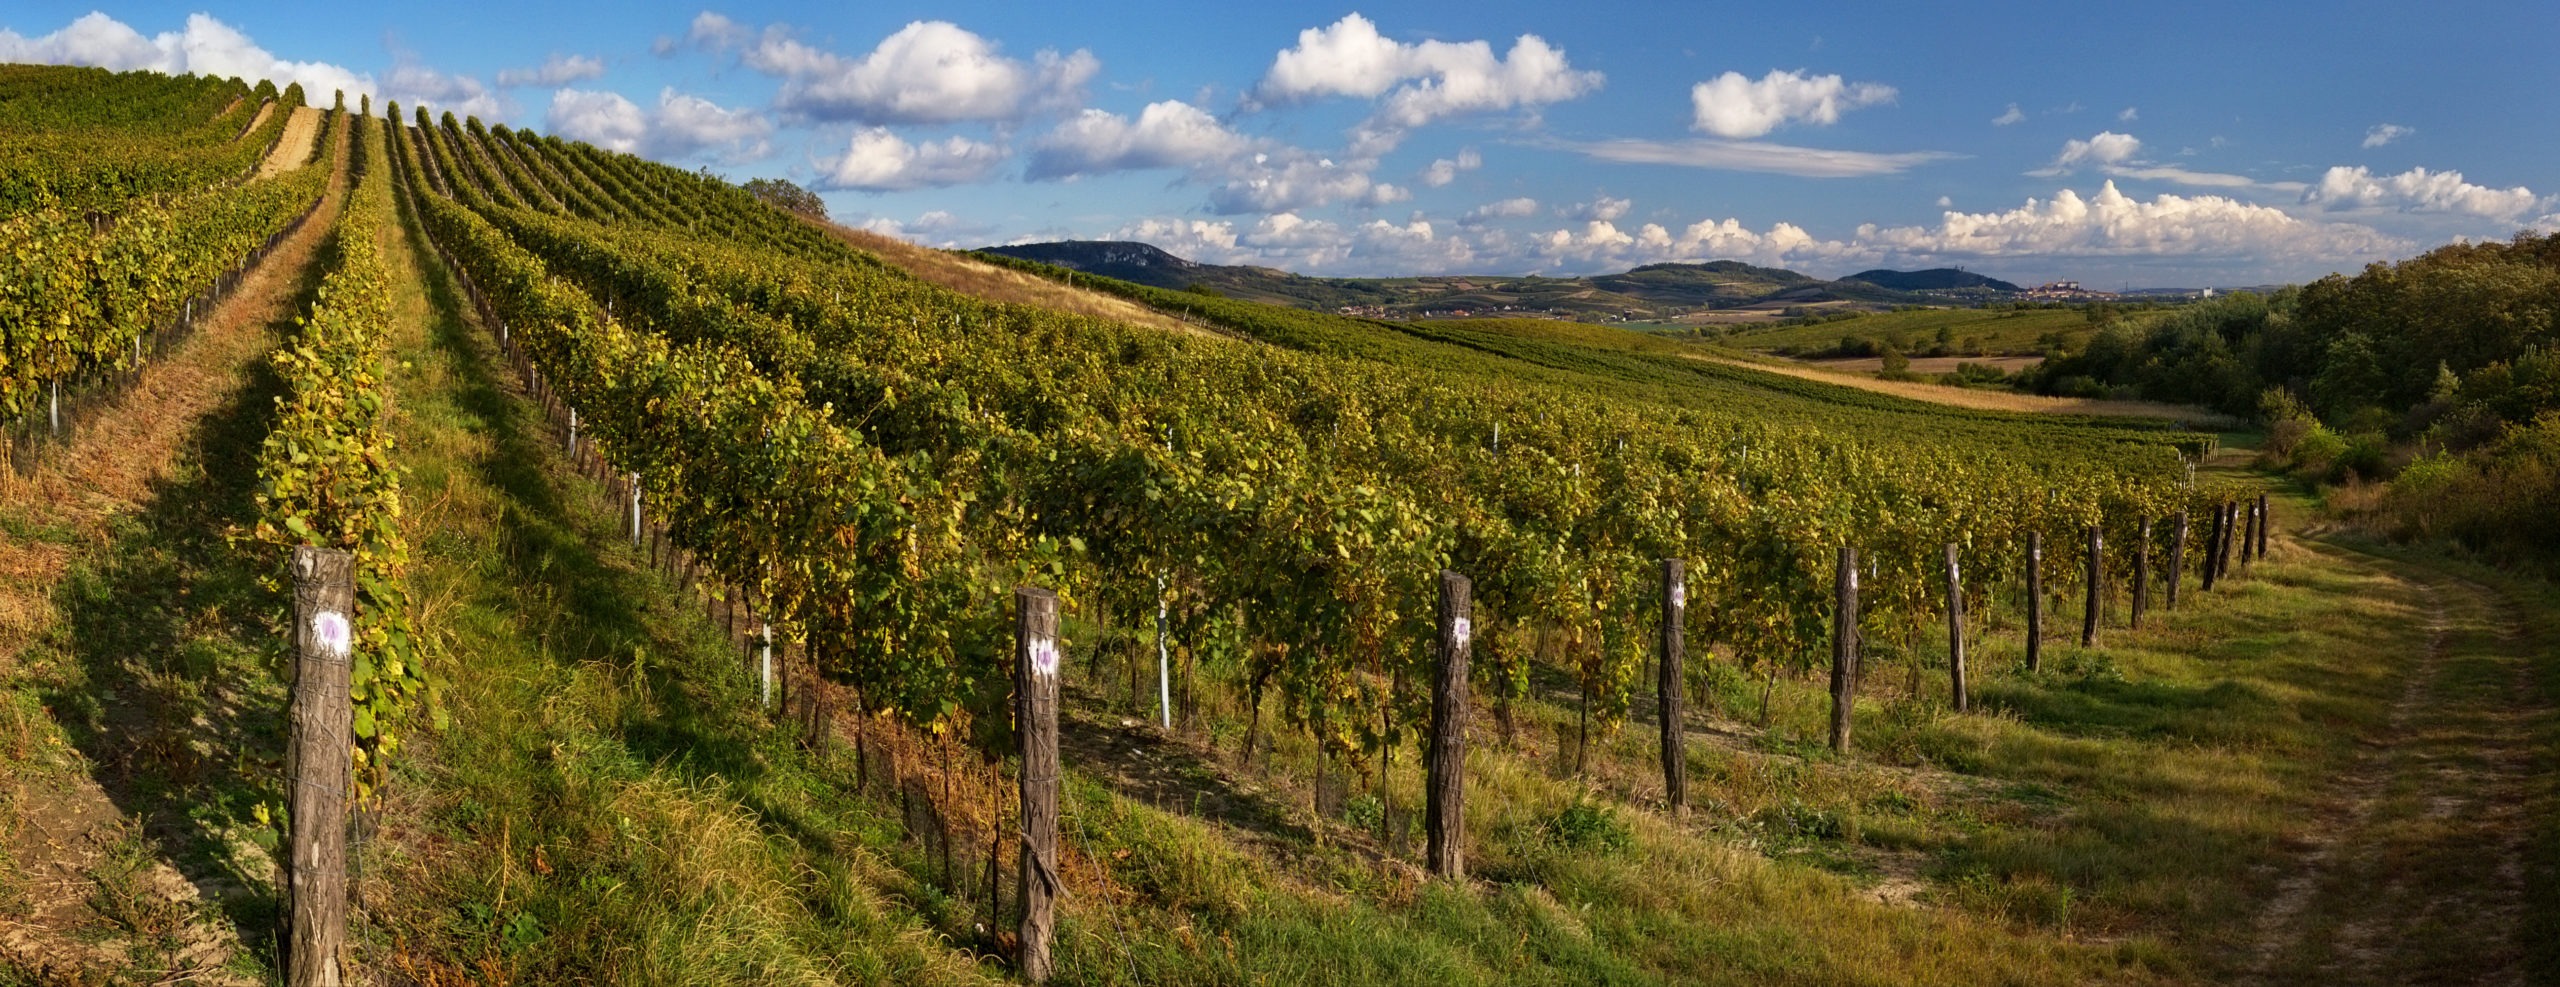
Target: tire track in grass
[2416, 873]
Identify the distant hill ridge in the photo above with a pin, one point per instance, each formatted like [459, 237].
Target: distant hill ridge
[1933, 279]
[1647, 292]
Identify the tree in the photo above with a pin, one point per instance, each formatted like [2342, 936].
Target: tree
[782, 194]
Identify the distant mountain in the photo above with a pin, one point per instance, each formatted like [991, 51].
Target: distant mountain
[1654, 291]
[1934, 279]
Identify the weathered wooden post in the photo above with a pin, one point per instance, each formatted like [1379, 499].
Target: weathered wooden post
[2248, 548]
[2265, 521]
[2248, 532]
[2212, 548]
[764, 666]
[635, 510]
[1955, 631]
[1844, 650]
[2231, 533]
[2177, 558]
[2035, 600]
[1035, 690]
[321, 767]
[2141, 571]
[1444, 818]
[1164, 663]
[1669, 690]
[2097, 588]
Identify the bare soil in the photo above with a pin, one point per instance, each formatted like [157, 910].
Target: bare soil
[293, 147]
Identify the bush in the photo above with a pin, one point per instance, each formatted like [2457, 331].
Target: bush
[2317, 449]
[1588, 824]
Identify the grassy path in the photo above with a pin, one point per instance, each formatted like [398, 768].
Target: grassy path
[2414, 870]
[609, 806]
[141, 708]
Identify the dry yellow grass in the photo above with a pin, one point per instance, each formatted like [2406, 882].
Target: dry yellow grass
[983, 280]
[1959, 397]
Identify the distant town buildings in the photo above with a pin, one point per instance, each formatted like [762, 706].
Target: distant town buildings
[2063, 291]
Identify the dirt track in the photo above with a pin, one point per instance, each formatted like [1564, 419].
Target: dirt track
[2413, 872]
[293, 149]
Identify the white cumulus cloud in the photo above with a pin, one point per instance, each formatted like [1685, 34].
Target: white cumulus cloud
[604, 119]
[1442, 171]
[1603, 209]
[2111, 224]
[679, 125]
[927, 72]
[206, 46]
[1286, 180]
[1206, 241]
[1168, 134]
[1735, 105]
[2418, 190]
[1513, 208]
[1416, 84]
[412, 85]
[716, 31]
[878, 160]
[557, 70]
[2009, 116]
[2107, 148]
[2384, 133]
[2116, 155]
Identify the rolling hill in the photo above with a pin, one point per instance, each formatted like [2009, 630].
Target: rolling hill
[1647, 293]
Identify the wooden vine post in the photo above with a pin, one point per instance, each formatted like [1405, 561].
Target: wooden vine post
[2248, 532]
[2035, 601]
[1844, 651]
[2265, 521]
[1669, 690]
[2177, 558]
[2212, 548]
[2230, 534]
[1955, 631]
[2097, 588]
[2141, 572]
[1444, 817]
[321, 768]
[1035, 692]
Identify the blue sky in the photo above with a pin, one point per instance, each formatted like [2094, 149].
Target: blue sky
[2168, 145]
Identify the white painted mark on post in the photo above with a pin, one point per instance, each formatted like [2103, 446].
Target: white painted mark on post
[330, 631]
[1044, 656]
[1679, 594]
[1464, 629]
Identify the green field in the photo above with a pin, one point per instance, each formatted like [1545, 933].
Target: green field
[1958, 331]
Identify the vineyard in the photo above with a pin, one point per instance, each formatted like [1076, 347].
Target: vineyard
[1782, 676]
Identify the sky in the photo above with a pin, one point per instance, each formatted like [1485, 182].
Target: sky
[2153, 145]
